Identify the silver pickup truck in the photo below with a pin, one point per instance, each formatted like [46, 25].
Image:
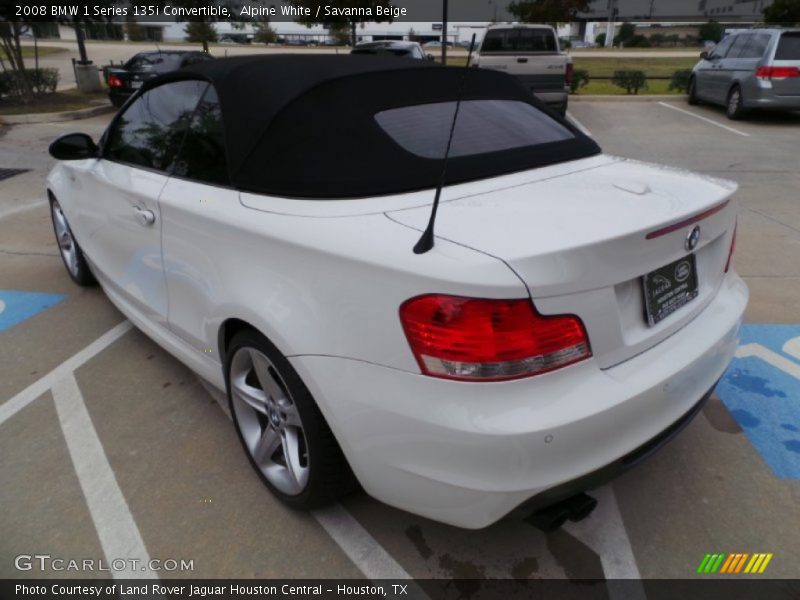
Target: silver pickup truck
[532, 54]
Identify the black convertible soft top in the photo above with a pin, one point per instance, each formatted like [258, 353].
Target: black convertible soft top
[305, 125]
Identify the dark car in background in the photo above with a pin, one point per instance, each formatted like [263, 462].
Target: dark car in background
[397, 48]
[124, 81]
[753, 69]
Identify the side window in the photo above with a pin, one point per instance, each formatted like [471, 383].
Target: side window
[756, 47]
[739, 46]
[150, 131]
[202, 157]
[721, 49]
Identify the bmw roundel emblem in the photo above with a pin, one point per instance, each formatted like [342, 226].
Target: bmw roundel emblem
[693, 238]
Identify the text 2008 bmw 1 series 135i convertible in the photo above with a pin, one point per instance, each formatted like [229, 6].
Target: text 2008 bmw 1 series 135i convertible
[258, 218]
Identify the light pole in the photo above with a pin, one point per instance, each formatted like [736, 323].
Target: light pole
[612, 9]
[444, 32]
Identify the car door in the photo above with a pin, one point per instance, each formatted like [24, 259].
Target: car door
[709, 85]
[198, 205]
[119, 213]
[734, 64]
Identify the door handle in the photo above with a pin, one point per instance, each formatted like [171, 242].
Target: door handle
[522, 60]
[146, 217]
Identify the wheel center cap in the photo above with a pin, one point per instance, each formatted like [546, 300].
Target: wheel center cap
[274, 418]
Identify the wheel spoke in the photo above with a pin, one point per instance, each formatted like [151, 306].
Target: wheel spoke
[291, 452]
[252, 397]
[266, 377]
[291, 416]
[266, 446]
[58, 219]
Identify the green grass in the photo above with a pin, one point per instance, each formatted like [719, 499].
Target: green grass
[58, 102]
[27, 52]
[697, 49]
[653, 67]
[604, 87]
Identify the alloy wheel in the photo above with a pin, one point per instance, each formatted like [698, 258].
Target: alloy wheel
[66, 243]
[734, 102]
[269, 421]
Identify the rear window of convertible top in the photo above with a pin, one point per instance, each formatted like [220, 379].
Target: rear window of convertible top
[483, 126]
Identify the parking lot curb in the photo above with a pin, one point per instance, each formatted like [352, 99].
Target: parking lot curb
[626, 98]
[56, 117]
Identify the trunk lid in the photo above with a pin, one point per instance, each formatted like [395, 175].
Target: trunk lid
[580, 243]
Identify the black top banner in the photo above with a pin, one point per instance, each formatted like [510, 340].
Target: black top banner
[327, 11]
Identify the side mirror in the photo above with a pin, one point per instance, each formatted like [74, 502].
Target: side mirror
[74, 146]
[429, 57]
[704, 55]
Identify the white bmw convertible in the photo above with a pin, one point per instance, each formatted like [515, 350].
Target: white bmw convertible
[261, 219]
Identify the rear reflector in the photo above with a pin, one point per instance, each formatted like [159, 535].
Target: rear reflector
[473, 339]
[777, 72]
[732, 249]
[114, 81]
[570, 73]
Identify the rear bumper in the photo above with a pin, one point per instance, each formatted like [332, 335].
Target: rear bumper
[609, 472]
[556, 99]
[767, 99]
[468, 454]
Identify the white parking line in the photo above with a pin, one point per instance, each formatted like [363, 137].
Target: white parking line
[702, 118]
[119, 536]
[11, 407]
[604, 532]
[578, 124]
[360, 547]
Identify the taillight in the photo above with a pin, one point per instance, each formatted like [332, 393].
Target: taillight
[777, 72]
[114, 81]
[732, 249]
[570, 72]
[474, 339]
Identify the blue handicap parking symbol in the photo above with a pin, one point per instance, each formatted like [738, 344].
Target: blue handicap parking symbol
[16, 306]
[761, 389]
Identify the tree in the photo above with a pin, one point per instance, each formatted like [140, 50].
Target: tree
[134, 31]
[264, 33]
[548, 11]
[343, 20]
[11, 49]
[202, 32]
[711, 32]
[783, 12]
[340, 32]
[627, 32]
[200, 28]
[85, 16]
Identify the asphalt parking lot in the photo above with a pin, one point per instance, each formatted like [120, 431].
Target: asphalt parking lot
[111, 448]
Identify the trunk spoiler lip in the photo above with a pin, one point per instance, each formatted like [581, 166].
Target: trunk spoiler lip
[688, 221]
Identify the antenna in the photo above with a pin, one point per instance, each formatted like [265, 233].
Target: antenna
[425, 242]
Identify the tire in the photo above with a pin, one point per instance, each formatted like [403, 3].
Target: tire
[734, 107]
[283, 433]
[693, 99]
[71, 253]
